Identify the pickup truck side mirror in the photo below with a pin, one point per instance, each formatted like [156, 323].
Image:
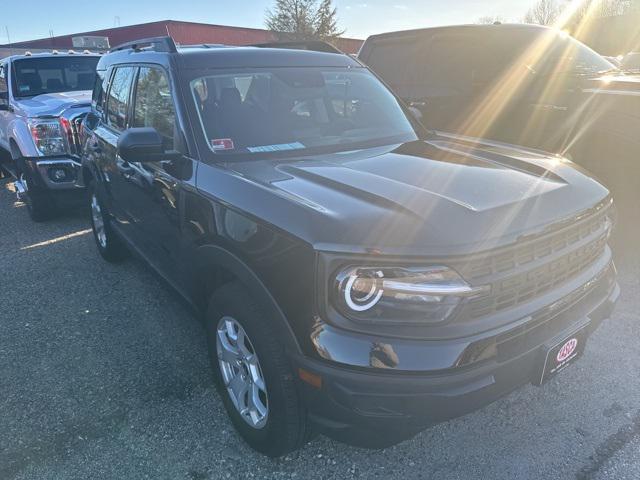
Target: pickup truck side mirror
[142, 144]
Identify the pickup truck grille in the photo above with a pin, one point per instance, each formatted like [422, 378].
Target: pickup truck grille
[524, 271]
[76, 123]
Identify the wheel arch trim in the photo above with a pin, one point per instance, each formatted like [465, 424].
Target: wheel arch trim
[213, 256]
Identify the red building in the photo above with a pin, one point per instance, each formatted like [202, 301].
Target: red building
[185, 33]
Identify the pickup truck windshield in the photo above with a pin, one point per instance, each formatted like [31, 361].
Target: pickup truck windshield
[36, 76]
[310, 109]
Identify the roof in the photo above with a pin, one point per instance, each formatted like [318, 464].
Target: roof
[224, 56]
[238, 57]
[469, 27]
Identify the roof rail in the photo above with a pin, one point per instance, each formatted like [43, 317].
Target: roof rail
[206, 45]
[157, 44]
[312, 45]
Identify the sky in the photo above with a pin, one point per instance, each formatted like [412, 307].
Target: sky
[360, 18]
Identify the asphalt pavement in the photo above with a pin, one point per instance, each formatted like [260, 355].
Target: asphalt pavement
[104, 375]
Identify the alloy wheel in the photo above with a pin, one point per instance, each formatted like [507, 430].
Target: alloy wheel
[241, 372]
[98, 221]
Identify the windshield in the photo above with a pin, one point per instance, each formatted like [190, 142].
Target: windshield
[35, 76]
[297, 109]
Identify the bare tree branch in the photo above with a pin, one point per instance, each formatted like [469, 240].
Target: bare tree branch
[544, 12]
[490, 20]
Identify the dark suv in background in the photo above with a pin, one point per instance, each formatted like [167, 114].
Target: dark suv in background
[522, 84]
[358, 275]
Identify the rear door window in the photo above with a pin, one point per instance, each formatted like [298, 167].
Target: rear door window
[118, 97]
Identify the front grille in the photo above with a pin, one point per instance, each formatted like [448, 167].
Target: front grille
[524, 271]
[551, 321]
[544, 326]
[76, 128]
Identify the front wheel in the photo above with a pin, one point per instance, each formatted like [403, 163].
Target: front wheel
[109, 245]
[39, 203]
[253, 376]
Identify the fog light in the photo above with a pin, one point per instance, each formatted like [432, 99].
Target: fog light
[58, 174]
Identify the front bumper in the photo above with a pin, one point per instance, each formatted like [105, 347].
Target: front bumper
[43, 172]
[376, 407]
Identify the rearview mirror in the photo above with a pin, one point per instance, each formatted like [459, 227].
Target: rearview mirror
[142, 144]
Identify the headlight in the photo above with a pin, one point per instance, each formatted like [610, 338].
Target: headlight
[49, 136]
[399, 294]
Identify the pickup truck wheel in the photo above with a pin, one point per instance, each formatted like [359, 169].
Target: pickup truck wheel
[109, 245]
[253, 376]
[39, 204]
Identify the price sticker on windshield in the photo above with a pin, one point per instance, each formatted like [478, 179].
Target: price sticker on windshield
[222, 144]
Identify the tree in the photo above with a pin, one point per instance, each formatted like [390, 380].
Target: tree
[296, 20]
[544, 12]
[326, 21]
[598, 9]
[490, 20]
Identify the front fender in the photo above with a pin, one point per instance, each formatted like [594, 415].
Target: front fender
[210, 257]
[18, 132]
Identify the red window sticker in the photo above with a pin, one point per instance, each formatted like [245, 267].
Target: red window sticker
[222, 144]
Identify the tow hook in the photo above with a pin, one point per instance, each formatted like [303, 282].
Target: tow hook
[21, 189]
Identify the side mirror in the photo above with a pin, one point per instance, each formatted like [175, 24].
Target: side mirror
[140, 145]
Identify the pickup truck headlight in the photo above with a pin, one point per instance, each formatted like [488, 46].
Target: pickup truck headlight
[401, 294]
[49, 136]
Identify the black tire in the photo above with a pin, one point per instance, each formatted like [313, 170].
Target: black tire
[286, 428]
[40, 205]
[110, 246]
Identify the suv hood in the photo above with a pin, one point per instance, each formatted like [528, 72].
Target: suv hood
[53, 104]
[447, 195]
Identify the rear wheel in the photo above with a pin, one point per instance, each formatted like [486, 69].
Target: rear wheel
[109, 244]
[253, 376]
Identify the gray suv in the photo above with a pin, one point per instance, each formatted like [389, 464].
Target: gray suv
[43, 99]
[357, 275]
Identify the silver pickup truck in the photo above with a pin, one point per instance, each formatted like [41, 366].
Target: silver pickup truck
[43, 99]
